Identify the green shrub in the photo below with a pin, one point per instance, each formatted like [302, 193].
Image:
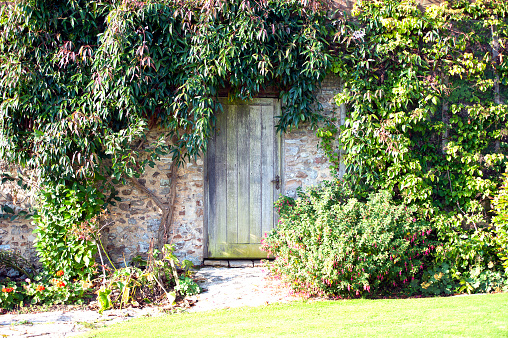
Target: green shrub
[328, 243]
[66, 226]
[437, 280]
[500, 221]
[470, 248]
[187, 286]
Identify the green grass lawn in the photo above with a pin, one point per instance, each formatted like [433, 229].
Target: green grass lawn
[467, 316]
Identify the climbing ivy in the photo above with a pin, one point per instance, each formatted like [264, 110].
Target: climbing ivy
[82, 82]
[426, 94]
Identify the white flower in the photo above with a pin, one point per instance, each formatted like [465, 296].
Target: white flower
[359, 34]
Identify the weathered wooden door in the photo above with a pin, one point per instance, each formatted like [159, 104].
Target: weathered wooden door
[242, 167]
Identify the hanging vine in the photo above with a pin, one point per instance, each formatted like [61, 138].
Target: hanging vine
[81, 82]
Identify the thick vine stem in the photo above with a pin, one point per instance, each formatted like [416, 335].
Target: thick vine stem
[164, 228]
[147, 191]
[167, 212]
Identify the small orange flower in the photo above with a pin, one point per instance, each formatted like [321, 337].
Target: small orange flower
[60, 273]
[7, 290]
[40, 288]
[60, 284]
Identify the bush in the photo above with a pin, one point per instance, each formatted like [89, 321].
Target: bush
[500, 221]
[330, 244]
[469, 249]
[437, 280]
[66, 226]
[149, 282]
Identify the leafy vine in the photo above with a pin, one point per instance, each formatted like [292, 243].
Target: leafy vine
[426, 94]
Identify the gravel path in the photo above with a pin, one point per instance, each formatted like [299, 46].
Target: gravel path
[230, 287]
[224, 288]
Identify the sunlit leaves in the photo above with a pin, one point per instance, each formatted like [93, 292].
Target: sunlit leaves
[420, 87]
[81, 80]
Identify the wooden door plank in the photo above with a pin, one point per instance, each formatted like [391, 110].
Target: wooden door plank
[255, 174]
[267, 168]
[243, 174]
[220, 166]
[232, 175]
[211, 191]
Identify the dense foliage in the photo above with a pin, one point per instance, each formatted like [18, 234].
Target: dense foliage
[83, 81]
[426, 91]
[500, 221]
[329, 243]
[67, 230]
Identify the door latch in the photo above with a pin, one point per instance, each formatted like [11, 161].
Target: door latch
[277, 182]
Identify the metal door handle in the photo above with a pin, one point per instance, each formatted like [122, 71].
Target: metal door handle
[277, 182]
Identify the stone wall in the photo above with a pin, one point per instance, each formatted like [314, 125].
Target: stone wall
[135, 221]
[305, 164]
[16, 234]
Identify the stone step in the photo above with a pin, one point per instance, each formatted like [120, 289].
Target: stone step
[233, 263]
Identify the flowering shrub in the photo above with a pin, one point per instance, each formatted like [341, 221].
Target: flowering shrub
[329, 244]
[44, 289]
[10, 295]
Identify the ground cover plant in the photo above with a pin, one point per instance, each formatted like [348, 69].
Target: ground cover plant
[161, 279]
[468, 316]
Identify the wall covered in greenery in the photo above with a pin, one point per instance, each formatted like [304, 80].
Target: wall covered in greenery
[426, 98]
[83, 81]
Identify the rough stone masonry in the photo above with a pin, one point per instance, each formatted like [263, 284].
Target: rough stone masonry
[135, 220]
